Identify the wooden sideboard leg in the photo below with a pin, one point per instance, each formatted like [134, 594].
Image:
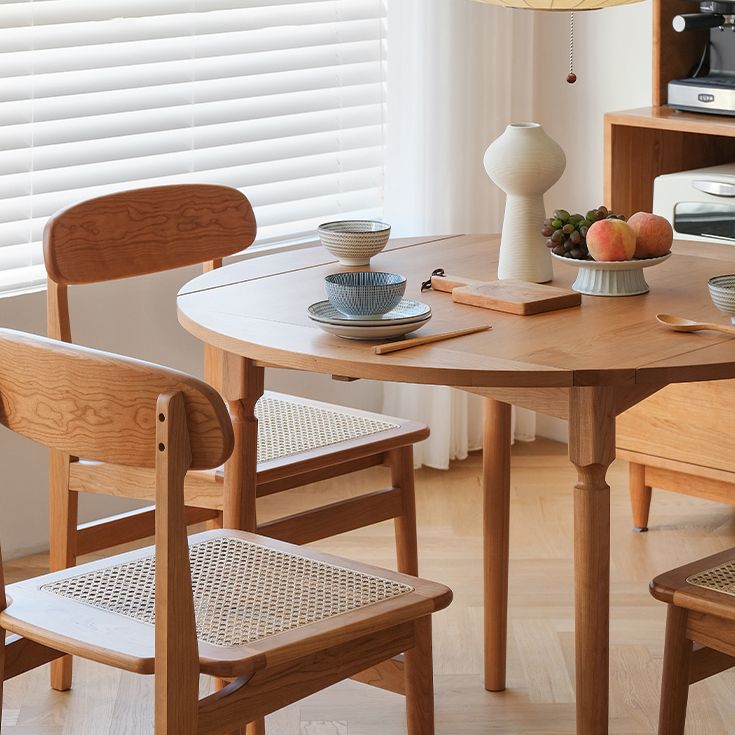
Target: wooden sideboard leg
[242, 387]
[496, 487]
[592, 450]
[640, 497]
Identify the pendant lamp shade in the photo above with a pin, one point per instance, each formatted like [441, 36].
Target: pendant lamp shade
[567, 5]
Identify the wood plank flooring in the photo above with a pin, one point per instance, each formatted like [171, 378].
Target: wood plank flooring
[540, 697]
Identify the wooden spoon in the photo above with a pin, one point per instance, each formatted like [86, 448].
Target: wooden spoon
[678, 324]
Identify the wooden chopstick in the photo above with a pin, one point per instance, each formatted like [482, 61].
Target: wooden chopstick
[406, 344]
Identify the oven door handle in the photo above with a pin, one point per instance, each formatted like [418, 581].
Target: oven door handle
[716, 188]
[724, 238]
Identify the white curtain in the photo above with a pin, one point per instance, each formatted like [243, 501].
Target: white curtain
[458, 73]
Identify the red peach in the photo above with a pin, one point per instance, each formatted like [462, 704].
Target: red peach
[611, 239]
[653, 234]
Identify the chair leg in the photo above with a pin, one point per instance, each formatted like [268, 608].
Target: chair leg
[173, 694]
[675, 680]
[63, 513]
[420, 681]
[2, 673]
[253, 728]
[640, 497]
[256, 727]
[401, 465]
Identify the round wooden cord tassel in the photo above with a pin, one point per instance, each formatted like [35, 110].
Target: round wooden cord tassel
[571, 77]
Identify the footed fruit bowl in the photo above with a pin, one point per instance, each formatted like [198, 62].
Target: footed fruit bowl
[611, 278]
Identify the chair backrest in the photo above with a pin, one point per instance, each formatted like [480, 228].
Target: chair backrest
[102, 406]
[141, 231]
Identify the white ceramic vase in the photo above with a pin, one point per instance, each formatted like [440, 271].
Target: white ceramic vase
[524, 162]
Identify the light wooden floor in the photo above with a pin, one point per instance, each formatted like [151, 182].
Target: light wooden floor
[539, 699]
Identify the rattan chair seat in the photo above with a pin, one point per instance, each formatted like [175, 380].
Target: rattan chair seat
[718, 579]
[288, 425]
[243, 592]
[252, 596]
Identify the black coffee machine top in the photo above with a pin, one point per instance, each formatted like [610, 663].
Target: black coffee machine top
[711, 84]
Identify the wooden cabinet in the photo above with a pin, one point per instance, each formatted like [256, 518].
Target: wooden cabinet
[680, 439]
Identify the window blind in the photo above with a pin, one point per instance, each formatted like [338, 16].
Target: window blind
[283, 99]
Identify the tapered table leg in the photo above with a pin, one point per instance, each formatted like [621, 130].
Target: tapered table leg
[496, 487]
[242, 386]
[591, 450]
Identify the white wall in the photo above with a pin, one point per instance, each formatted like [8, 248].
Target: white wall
[613, 65]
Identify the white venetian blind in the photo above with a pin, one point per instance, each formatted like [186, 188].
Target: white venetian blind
[283, 99]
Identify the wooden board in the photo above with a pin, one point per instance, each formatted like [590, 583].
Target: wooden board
[510, 296]
[517, 297]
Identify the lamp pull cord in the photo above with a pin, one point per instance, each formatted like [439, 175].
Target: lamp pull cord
[571, 77]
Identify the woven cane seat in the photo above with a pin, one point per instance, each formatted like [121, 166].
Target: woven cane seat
[718, 579]
[251, 594]
[243, 592]
[288, 426]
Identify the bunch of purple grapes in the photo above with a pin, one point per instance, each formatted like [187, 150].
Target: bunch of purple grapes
[566, 234]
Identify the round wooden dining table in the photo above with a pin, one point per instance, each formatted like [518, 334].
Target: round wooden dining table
[586, 364]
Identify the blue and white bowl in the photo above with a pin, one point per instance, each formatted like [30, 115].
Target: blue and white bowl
[354, 242]
[364, 293]
[722, 291]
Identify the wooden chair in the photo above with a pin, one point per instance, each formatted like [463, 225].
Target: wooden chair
[280, 621]
[299, 441]
[700, 630]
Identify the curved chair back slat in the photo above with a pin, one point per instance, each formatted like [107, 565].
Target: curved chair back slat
[141, 231]
[102, 406]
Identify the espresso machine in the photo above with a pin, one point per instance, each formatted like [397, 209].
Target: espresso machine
[710, 86]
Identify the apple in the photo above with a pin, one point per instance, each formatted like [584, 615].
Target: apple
[654, 234]
[611, 239]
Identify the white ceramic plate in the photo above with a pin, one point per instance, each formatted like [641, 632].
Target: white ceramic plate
[406, 312]
[367, 333]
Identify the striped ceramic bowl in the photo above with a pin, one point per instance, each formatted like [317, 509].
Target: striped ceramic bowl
[354, 242]
[722, 291]
[364, 293]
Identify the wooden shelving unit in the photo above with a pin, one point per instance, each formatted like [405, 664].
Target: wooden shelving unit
[645, 143]
[681, 438]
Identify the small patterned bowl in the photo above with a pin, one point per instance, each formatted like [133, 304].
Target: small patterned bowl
[364, 293]
[354, 242]
[722, 291]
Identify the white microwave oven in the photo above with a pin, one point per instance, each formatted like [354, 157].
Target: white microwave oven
[700, 204]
